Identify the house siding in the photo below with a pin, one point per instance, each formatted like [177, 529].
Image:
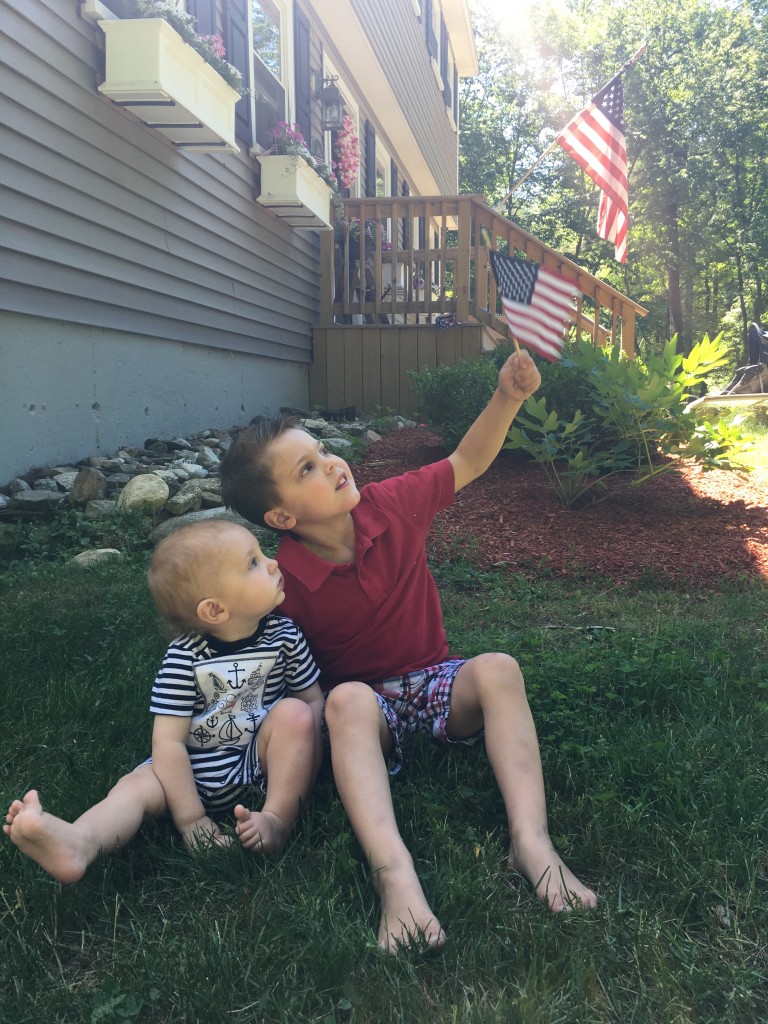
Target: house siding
[399, 42]
[108, 227]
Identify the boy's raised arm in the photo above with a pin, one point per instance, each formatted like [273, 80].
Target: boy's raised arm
[518, 379]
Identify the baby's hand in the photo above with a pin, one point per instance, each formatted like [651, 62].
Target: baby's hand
[202, 833]
[519, 376]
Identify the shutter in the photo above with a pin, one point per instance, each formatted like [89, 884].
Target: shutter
[238, 46]
[393, 181]
[301, 69]
[369, 135]
[204, 11]
[444, 52]
[456, 95]
[430, 30]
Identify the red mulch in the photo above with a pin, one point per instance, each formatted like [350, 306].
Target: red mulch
[696, 528]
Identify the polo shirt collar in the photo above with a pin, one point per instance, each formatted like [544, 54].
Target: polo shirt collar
[310, 569]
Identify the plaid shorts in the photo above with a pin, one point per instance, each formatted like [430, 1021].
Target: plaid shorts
[419, 702]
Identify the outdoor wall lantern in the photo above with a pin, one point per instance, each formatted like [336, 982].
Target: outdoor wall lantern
[332, 114]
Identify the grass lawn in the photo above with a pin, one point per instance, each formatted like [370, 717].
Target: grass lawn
[652, 710]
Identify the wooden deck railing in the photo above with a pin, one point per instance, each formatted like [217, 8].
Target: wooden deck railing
[410, 259]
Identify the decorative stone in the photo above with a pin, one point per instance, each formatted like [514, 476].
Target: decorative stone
[338, 444]
[220, 512]
[34, 501]
[100, 508]
[65, 480]
[208, 458]
[44, 483]
[18, 485]
[371, 436]
[88, 558]
[188, 499]
[144, 493]
[90, 485]
[191, 469]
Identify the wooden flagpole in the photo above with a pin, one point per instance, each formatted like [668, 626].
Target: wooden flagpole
[627, 64]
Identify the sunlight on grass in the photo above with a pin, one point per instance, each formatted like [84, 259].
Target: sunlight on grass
[651, 706]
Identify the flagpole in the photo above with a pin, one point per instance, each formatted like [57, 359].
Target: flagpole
[627, 64]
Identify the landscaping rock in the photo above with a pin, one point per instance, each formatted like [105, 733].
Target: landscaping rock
[144, 493]
[88, 558]
[220, 512]
[89, 484]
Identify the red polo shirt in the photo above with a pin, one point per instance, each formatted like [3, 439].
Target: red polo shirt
[379, 616]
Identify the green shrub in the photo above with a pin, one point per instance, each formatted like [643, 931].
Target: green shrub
[451, 397]
[631, 415]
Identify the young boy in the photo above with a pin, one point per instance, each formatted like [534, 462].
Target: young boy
[223, 720]
[362, 593]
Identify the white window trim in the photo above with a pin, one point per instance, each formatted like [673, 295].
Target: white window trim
[285, 8]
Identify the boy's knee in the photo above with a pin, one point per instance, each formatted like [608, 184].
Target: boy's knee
[349, 700]
[296, 715]
[499, 670]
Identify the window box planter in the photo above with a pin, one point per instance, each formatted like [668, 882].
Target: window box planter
[153, 73]
[292, 190]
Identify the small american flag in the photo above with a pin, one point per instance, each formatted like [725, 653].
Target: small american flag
[595, 140]
[538, 303]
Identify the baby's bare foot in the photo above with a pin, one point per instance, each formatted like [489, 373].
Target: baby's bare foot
[555, 884]
[260, 831]
[406, 917]
[56, 845]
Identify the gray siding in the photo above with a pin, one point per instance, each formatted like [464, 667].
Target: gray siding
[398, 39]
[107, 224]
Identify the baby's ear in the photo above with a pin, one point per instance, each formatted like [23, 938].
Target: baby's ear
[211, 612]
[279, 519]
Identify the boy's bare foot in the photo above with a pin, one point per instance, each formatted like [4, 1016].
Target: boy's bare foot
[56, 845]
[260, 831]
[554, 882]
[406, 918]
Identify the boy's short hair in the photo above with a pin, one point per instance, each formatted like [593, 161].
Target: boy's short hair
[247, 485]
[183, 571]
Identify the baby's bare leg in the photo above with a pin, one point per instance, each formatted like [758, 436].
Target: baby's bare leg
[489, 692]
[359, 735]
[287, 744]
[65, 849]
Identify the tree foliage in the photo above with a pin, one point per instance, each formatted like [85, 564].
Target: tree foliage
[695, 106]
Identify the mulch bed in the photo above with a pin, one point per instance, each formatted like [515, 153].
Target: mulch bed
[695, 528]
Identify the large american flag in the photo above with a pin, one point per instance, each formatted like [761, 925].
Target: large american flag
[538, 303]
[595, 140]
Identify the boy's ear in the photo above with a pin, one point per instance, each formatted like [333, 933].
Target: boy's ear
[279, 519]
[212, 612]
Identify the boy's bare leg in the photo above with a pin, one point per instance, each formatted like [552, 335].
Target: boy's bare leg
[287, 746]
[65, 849]
[359, 737]
[489, 693]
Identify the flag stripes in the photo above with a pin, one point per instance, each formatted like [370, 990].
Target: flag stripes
[595, 139]
[537, 303]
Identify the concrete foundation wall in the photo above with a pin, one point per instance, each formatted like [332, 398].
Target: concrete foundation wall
[68, 391]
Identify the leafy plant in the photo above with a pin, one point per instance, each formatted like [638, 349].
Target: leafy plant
[451, 397]
[632, 420]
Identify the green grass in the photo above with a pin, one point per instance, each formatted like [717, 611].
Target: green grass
[652, 710]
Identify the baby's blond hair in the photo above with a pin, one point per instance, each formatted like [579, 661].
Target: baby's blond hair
[184, 570]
